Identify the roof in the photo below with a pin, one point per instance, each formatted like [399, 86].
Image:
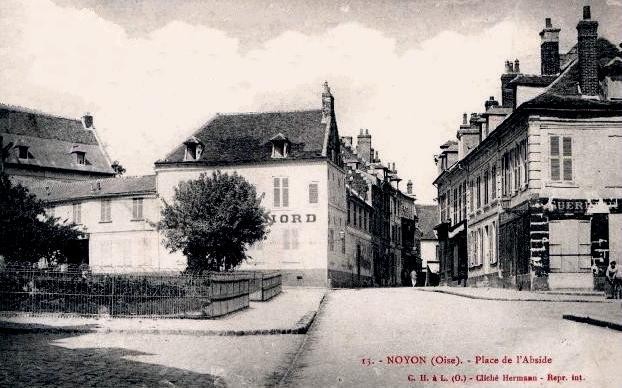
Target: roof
[533, 80]
[498, 110]
[246, 137]
[95, 188]
[428, 219]
[50, 140]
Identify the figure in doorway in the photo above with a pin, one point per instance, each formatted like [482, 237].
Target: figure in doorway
[413, 277]
[615, 279]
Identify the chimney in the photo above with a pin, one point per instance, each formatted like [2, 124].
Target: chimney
[516, 66]
[507, 92]
[87, 121]
[377, 158]
[587, 35]
[363, 145]
[549, 49]
[464, 119]
[490, 102]
[347, 141]
[409, 187]
[328, 104]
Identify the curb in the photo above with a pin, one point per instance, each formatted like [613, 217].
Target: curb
[513, 300]
[300, 327]
[593, 321]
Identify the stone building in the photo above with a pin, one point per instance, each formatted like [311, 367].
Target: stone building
[540, 188]
[118, 218]
[293, 159]
[43, 147]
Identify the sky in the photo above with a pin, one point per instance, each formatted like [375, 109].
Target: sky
[152, 71]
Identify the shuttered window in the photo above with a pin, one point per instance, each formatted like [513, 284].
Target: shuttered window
[105, 210]
[77, 213]
[137, 208]
[313, 193]
[561, 159]
[281, 192]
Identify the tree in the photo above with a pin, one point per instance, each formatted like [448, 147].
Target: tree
[27, 233]
[118, 168]
[212, 220]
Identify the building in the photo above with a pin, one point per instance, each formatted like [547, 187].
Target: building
[392, 217]
[427, 220]
[293, 159]
[118, 217]
[542, 193]
[42, 147]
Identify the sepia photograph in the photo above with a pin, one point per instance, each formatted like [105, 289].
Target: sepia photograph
[327, 193]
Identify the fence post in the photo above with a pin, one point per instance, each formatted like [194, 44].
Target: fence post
[112, 298]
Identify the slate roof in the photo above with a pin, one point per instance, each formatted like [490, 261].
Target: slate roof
[51, 140]
[246, 137]
[54, 192]
[428, 219]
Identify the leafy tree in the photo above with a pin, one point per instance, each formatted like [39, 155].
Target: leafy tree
[212, 220]
[27, 233]
[118, 168]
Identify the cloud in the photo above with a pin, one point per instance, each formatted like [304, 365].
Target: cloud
[614, 3]
[149, 93]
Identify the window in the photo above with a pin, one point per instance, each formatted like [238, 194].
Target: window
[487, 244]
[105, 210]
[486, 183]
[493, 243]
[77, 213]
[279, 149]
[464, 201]
[137, 208]
[561, 159]
[493, 182]
[455, 207]
[331, 240]
[349, 209]
[313, 193]
[22, 152]
[281, 192]
[479, 192]
[80, 157]
[191, 151]
[355, 214]
[471, 197]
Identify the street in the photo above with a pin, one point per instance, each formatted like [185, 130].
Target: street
[368, 337]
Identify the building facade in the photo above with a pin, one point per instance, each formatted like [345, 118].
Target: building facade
[542, 199]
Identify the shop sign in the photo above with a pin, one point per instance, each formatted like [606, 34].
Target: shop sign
[569, 205]
[290, 218]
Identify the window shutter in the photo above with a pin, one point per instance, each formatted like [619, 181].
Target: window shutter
[568, 169]
[567, 145]
[285, 192]
[313, 193]
[555, 169]
[554, 145]
[277, 192]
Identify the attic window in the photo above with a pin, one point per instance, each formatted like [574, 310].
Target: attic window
[280, 146]
[80, 157]
[22, 152]
[194, 149]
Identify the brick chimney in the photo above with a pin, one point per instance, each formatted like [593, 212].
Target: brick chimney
[549, 49]
[507, 92]
[409, 187]
[587, 35]
[363, 145]
[328, 103]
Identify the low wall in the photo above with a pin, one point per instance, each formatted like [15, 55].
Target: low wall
[342, 279]
[267, 286]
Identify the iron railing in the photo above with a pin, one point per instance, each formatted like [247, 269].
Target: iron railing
[123, 295]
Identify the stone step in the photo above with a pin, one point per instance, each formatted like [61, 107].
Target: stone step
[573, 291]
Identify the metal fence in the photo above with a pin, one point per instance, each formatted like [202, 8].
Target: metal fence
[123, 295]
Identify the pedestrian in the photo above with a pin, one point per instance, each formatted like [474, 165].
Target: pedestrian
[613, 277]
[413, 277]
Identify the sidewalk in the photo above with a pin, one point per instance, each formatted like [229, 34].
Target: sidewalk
[607, 314]
[291, 312]
[505, 294]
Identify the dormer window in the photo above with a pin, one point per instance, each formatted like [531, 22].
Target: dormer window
[194, 149]
[280, 146]
[22, 152]
[81, 157]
